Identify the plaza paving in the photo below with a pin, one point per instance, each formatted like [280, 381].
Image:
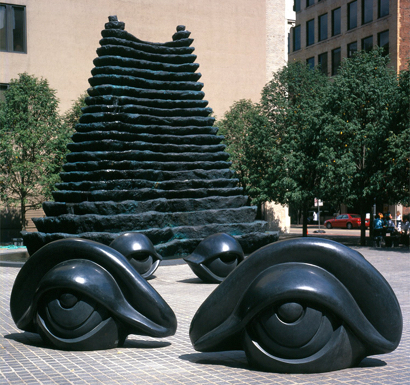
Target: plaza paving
[143, 360]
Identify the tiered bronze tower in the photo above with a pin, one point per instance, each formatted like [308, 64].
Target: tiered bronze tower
[146, 156]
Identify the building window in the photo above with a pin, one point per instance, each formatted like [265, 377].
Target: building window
[336, 21]
[367, 43]
[351, 49]
[323, 27]
[309, 3]
[367, 11]
[383, 41]
[3, 88]
[296, 38]
[322, 60]
[12, 28]
[311, 62]
[352, 15]
[336, 60]
[296, 6]
[310, 32]
[383, 8]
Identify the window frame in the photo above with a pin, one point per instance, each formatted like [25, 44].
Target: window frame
[294, 48]
[335, 68]
[363, 42]
[3, 89]
[309, 3]
[308, 62]
[297, 5]
[9, 31]
[367, 9]
[339, 9]
[322, 28]
[308, 34]
[385, 52]
[349, 55]
[319, 62]
[349, 15]
[380, 4]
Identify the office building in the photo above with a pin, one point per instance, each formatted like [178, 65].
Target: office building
[326, 31]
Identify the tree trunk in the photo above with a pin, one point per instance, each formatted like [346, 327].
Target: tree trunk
[305, 217]
[23, 214]
[371, 224]
[363, 225]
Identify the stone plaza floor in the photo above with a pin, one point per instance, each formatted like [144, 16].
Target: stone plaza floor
[143, 360]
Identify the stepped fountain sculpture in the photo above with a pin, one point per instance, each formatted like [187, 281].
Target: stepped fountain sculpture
[146, 157]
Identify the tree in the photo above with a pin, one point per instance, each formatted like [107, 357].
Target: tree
[397, 157]
[294, 102]
[362, 102]
[72, 116]
[32, 143]
[245, 130]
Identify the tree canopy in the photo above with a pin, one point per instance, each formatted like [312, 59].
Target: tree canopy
[362, 105]
[245, 129]
[397, 156]
[294, 102]
[32, 143]
[72, 116]
[343, 139]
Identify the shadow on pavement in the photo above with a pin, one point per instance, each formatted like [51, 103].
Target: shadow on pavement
[232, 359]
[33, 339]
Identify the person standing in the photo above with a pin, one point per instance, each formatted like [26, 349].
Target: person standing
[378, 230]
[398, 221]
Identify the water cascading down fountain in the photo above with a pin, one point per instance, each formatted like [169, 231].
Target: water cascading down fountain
[146, 157]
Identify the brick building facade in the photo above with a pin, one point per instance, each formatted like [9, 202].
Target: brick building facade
[327, 31]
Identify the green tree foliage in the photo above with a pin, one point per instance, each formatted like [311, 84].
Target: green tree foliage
[72, 116]
[343, 139]
[362, 110]
[397, 157]
[294, 102]
[32, 143]
[246, 135]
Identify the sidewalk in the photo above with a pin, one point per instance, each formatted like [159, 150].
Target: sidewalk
[143, 360]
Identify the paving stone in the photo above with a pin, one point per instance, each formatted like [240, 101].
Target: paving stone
[25, 360]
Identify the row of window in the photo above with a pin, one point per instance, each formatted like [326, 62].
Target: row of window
[336, 21]
[12, 28]
[367, 8]
[336, 57]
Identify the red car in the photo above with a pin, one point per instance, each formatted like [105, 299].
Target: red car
[346, 221]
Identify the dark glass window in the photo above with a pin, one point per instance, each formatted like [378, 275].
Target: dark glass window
[3, 28]
[310, 32]
[383, 9]
[323, 27]
[3, 88]
[12, 28]
[383, 41]
[322, 60]
[296, 38]
[336, 60]
[351, 49]
[367, 43]
[336, 21]
[309, 3]
[311, 62]
[296, 6]
[352, 15]
[367, 11]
